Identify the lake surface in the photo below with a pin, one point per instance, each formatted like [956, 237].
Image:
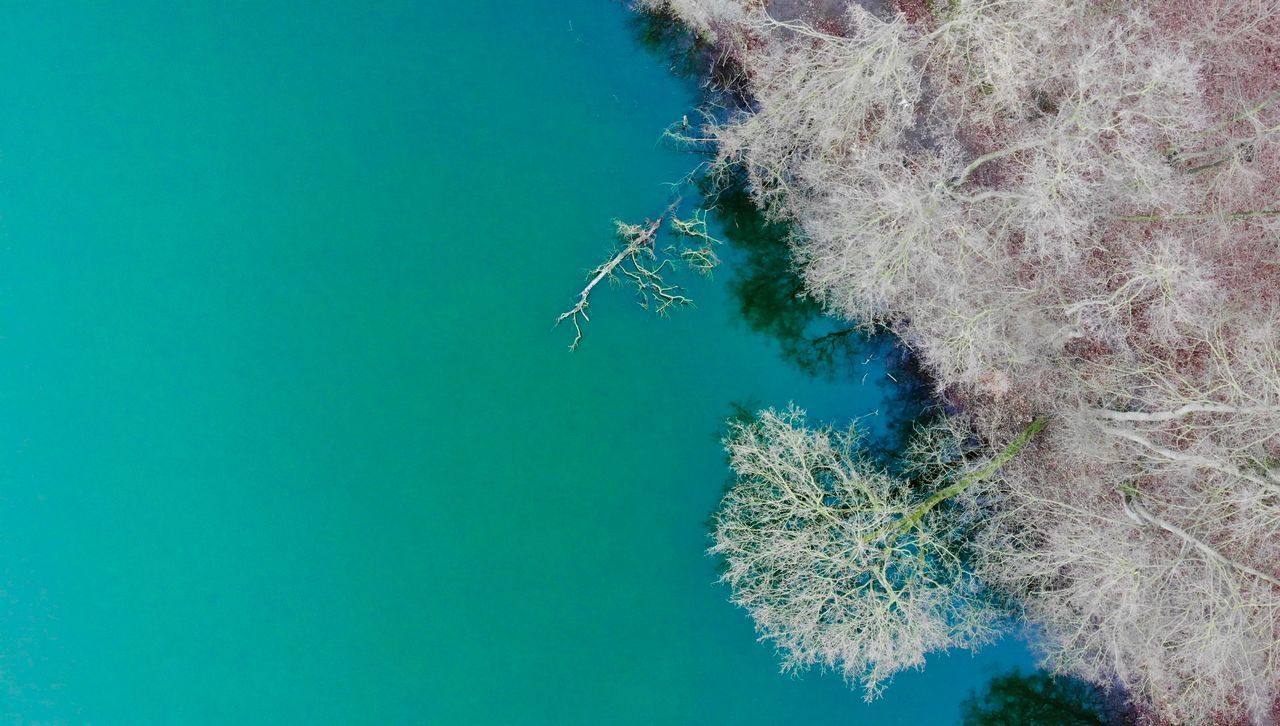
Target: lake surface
[287, 435]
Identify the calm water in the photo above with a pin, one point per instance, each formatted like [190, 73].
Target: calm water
[287, 436]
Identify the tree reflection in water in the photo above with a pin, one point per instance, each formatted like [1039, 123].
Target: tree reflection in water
[1041, 699]
[771, 301]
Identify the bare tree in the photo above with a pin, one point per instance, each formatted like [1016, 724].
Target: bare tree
[841, 564]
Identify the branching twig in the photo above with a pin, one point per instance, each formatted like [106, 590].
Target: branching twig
[1138, 512]
[641, 263]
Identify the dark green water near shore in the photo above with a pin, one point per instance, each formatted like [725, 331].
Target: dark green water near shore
[287, 437]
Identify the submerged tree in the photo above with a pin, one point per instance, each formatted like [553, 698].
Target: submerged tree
[843, 565]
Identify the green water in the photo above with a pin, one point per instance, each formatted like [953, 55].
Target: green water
[287, 437]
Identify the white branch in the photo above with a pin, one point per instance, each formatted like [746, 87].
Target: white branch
[1193, 459]
[639, 242]
[1136, 510]
[1181, 411]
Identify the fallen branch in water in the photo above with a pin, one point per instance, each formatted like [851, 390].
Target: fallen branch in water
[641, 263]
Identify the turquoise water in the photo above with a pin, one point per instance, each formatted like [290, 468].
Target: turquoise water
[288, 437]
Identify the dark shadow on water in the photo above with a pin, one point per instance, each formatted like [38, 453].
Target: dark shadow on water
[770, 294]
[1040, 699]
[690, 57]
[661, 34]
[770, 298]
[741, 412]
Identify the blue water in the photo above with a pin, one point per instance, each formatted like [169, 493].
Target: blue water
[287, 435]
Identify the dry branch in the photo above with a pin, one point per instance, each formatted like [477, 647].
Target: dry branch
[639, 262]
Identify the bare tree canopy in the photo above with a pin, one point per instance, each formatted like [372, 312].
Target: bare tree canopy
[843, 565]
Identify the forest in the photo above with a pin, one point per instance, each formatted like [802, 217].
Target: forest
[1068, 211]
